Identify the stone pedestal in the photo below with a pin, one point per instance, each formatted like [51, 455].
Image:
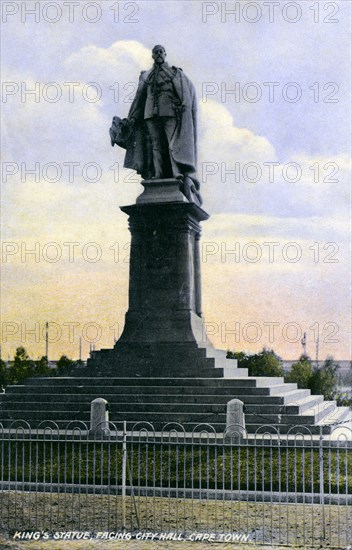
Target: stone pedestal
[160, 191]
[164, 333]
[165, 302]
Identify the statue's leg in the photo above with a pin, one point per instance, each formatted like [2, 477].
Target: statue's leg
[170, 125]
[155, 136]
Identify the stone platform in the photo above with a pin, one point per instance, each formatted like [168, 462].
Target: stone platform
[185, 400]
[163, 368]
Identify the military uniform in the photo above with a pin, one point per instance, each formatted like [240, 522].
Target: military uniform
[161, 113]
[161, 97]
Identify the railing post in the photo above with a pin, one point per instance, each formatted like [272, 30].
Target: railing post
[235, 420]
[124, 471]
[321, 476]
[99, 417]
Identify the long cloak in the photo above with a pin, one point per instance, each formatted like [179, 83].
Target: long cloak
[183, 145]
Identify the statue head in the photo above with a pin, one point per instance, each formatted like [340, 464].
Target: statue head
[158, 54]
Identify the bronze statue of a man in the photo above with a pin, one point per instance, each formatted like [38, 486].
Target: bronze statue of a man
[162, 116]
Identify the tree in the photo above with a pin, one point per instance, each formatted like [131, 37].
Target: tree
[41, 367]
[265, 363]
[3, 375]
[239, 355]
[319, 380]
[343, 399]
[64, 363]
[344, 392]
[324, 380]
[301, 372]
[22, 367]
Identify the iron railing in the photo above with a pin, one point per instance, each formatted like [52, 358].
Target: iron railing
[264, 488]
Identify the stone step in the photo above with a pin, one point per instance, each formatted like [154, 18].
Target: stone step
[244, 392]
[311, 416]
[285, 399]
[105, 382]
[151, 393]
[31, 392]
[339, 414]
[218, 354]
[279, 389]
[158, 421]
[230, 372]
[190, 361]
[186, 399]
[327, 424]
[217, 417]
[267, 415]
[187, 427]
[180, 399]
[38, 415]
[169, 412]
[230, 365]
[315, 413]
[286, 428]
[202, 350]
[86, 396]
[267, 405]
[115, 407]
[298, 406]
[74, 415]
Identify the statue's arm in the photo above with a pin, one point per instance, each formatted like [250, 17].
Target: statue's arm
[136, 111]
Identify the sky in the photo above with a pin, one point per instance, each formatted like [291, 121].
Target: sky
[273, 89]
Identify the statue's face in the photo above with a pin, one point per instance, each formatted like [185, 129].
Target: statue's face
[159, 55]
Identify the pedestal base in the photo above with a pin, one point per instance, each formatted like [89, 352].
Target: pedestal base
[164, 333]
[161, 190]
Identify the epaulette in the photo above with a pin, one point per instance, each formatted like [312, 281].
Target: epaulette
[179, 68]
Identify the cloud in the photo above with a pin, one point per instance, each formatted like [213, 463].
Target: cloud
[219, 136]
[242, 173]
[124, 59]
[115, 69]
[65, 132]
[242, 211]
